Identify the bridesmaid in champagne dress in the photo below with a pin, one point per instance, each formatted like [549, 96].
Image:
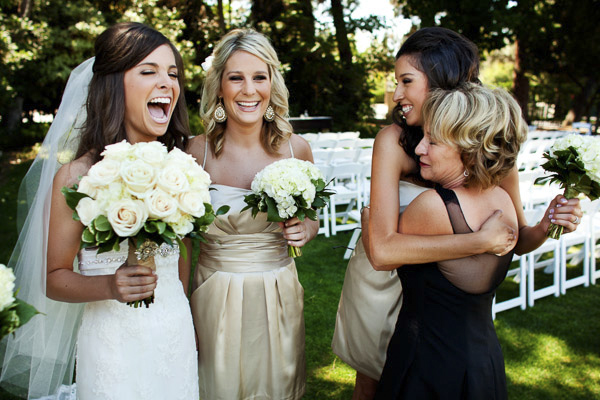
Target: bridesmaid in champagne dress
[247, 301]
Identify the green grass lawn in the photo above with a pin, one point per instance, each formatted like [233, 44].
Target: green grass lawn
[552, 351]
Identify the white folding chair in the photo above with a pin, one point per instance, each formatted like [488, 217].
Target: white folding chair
[576, 247]
[323, 213]
[519, 272]
[355, 215]
[546, 256]
[348, 188]
[322, 143]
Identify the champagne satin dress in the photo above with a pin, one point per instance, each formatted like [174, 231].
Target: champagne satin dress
[248, 307]
[369, 306]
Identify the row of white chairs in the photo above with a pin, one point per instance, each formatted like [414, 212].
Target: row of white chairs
[554, 256]
[350, 185]
[312, 137]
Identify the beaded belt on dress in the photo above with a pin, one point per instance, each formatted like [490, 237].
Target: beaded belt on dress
[91, 263]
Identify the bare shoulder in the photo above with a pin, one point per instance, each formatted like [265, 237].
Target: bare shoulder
[301, 148]
[71, 173]
[388, 150]
[196, 147]
[389, 134]
[426, 215]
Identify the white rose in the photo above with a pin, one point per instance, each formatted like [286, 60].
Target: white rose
[183, 227]
[160, 204]
[199, 179]
[115, 191]
[172, 179]
[87, 209]
[127, 217]
[181, 157]
[118, 151]
[139, 177]
[7, 287]
[192, 203]
[86, 186]
[104, 172]
[154, 153]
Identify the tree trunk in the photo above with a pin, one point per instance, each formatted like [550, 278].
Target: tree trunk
[221, 15]
[341, 32]
[520, 81]
[24, 8]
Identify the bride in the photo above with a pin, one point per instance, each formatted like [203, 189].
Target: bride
[121, 352]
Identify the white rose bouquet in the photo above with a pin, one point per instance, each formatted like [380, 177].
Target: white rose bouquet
[13, 312]
[146, 194]
[574, 162]
[286, 189]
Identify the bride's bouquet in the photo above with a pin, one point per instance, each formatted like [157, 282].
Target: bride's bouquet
[288, 188]
[13, 312]
[575, 164]
[143, 193]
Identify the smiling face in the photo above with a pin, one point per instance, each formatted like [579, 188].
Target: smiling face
[245, 89]
[412, 89]
[151, 93]
[440, 162]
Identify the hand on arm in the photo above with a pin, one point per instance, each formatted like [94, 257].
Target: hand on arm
[387, 248]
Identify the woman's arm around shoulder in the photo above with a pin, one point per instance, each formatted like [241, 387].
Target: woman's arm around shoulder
[385, 247]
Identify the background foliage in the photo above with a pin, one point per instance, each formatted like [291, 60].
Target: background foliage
[553, 53]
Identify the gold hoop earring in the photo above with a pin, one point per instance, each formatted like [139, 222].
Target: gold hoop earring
[220, 115]
[269, 114]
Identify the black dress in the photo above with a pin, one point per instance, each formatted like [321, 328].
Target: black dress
[444, 345]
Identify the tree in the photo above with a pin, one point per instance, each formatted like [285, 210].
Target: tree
[559, 38]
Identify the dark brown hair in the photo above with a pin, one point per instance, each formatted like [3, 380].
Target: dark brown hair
[447, 59]
[118, 49]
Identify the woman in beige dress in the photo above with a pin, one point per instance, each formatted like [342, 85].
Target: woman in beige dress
[370, 301]
[247, 301]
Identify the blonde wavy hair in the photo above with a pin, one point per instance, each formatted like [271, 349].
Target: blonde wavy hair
[486, 125]
[273, 133]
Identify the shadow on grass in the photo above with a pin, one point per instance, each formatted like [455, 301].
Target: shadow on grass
[321, 271]
[552, 351]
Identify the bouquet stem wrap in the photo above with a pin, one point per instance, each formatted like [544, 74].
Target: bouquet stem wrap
[143, 256]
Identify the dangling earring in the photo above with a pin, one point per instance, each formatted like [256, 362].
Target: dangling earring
[466, 173]
[269, 114]
[220, 115]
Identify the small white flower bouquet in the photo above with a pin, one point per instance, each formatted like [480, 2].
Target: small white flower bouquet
[574, 162]
[288, 188]
[144, 193]
[13, 312]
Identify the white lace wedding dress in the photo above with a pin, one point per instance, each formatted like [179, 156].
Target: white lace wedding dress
[137, 353]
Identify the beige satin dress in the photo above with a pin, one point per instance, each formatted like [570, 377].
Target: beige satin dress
[247, 305]
[369, 307]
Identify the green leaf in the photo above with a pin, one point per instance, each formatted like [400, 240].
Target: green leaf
[101, 224]
[272, 213]
[182, 249]
[72, 196]
[312, 214]
[88, 236]
[223, 210]
[25, 311]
